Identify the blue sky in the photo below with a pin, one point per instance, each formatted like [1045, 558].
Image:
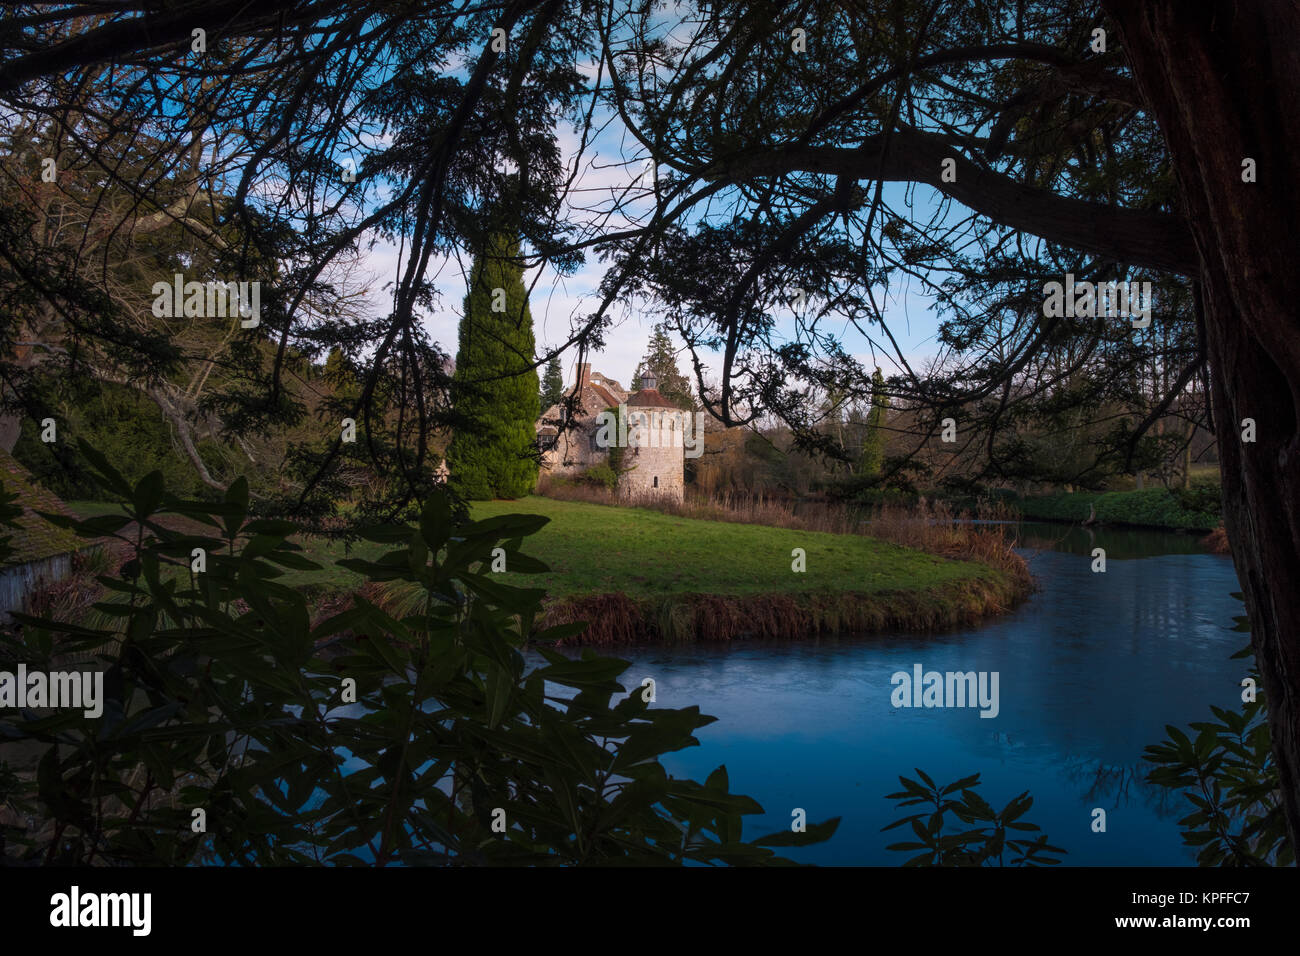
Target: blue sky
[609, 165]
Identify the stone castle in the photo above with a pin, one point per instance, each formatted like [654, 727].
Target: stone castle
[654, 454]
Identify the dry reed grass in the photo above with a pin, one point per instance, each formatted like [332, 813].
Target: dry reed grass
[618, 619]
[1216, 542]
[935, 528]
[69, 597]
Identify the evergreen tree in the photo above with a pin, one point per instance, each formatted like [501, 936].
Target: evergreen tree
[494, 390]
[341, 378]
[661, 361]
[552, 384]
[873, 443]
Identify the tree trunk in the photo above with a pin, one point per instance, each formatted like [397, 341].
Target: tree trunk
[1221, 80]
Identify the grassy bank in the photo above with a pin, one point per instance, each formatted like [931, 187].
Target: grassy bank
[1149, 508]
[643, 575]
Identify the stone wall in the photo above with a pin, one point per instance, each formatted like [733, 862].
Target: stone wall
[573, 452]
[654, 460]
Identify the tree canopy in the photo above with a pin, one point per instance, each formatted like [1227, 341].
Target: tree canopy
[758, 213]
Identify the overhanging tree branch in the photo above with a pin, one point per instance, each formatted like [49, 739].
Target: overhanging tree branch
[1138, 237]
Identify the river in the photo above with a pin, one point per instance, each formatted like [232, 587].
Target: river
[1090, 670]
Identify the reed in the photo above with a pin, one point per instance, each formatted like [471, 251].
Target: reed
[934, 527]
[775, 512]
[1216, 542]
[615, 619]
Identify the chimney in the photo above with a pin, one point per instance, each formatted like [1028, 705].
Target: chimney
[584, 375]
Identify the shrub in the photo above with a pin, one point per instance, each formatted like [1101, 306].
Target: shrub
[1204, 497]
[1228, 775]
[128, 428]
[988, 843]
[601, 475]
[1151, 507]
[220, 696]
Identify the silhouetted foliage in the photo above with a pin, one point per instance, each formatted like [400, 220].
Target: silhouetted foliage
[1227, 772]
[223, 696]
[985, 843]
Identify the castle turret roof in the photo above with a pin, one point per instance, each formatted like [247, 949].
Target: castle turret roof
[650, 397]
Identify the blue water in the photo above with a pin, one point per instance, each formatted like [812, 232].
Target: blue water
[1091, 669]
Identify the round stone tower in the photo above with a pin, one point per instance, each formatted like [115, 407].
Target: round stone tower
[655, 455]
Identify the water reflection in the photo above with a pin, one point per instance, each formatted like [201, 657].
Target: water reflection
[1091, 669]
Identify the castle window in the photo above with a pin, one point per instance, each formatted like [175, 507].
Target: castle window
[656, 481]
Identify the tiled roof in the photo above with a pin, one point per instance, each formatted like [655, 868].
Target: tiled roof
[593, 400]
[35, 539]
[609, 400]
[650, 397]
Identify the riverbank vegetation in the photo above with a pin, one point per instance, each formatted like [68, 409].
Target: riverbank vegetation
[652, 574]
[1216, 542]
[1175, 510]
[700, 571]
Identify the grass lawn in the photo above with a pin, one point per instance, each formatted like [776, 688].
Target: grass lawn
[599, 549]
[93, 509]
[640, 575]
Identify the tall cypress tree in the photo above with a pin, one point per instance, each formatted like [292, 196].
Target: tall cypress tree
[873, 443]
[494, 389]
